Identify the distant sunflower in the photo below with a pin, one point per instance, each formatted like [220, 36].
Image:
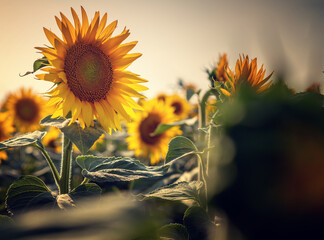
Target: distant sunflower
[181, 107]
[6, 129]
[247, 73]
[144, 124]
[88, 67]
[314, 87]
[52, 140]
[162, 97]
[220, 70]
[26, 109]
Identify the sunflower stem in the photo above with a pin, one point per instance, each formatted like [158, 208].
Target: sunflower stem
[66, 166]
[202, 108]
[202, 124]
[51, 165]
[204, 179]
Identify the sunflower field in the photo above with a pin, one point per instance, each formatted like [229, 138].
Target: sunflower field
[94, 158]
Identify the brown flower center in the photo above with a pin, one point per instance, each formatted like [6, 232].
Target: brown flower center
[148, 126]
[177, 108]
[52, 143]
[27, 109]
[88, 71]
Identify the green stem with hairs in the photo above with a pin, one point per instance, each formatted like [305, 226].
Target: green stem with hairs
[66, 166]
[50, 164]
[204, 179]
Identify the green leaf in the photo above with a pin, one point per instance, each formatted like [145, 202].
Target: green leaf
[189, 94]
[23, 140]
[5, 220]
[197, 223]
[179, 147]
[66, 201]
[111, 169]
[82, 138]
[176, 192]
[38, 64]
[58, 122]
[28, 192]
[174, 231]
[85, 190]
[163, 127]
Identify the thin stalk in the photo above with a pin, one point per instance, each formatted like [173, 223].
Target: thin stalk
[85, 180]
[66, 166]
[204, 179]
[51, 165]
[202, 124]
[212, 133]
[202, 108]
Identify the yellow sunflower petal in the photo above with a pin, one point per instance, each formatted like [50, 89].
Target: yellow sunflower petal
[111, 44]
[122, 50]
[102, 24]
[106, 33]
[85, 22]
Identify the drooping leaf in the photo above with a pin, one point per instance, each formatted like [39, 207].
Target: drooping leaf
[58, 122]
[28, 192]
[23, 140]
[38, 64]
[174, 231]
[163, 127]
[111, 169]
[179, 147]
[176, 192]
[82, 138]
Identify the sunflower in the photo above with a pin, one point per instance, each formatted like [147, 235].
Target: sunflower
[52, 140]
[247, 73]
[181, 107]
[26, 109]
[220, 70]
[144, 124]
[6, 129]
[88, 69]
[161, 97]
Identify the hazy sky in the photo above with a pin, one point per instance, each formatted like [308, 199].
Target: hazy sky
[178, 38]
